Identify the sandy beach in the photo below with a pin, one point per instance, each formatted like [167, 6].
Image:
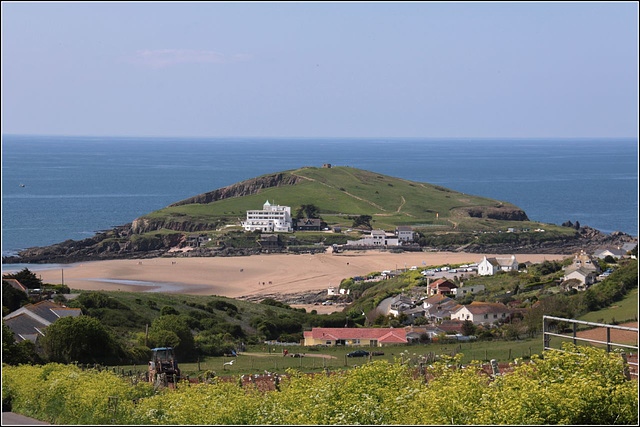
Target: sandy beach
[251, 275]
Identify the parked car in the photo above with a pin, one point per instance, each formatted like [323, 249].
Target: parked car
[358, 353]
[377, 353]
[413, 268]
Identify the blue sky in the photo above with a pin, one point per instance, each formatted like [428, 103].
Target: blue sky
[321, 70]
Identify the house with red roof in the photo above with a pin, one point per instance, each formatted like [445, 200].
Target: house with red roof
[441, 287]
[370, 337]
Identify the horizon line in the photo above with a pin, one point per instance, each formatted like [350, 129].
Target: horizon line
[321, 137]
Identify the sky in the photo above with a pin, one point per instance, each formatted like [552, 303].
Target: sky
[429, 70]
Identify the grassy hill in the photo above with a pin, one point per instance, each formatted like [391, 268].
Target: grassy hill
[340, 192]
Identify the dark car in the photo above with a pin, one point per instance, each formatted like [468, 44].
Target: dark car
[358, 353]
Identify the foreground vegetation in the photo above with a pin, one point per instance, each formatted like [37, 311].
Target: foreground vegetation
[562, 388]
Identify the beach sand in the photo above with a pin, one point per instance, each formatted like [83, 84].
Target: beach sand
[243, 276]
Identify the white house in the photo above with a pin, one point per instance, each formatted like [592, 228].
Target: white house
[584, 261]
[404, 233]
[613, 252]
[464, 290]
[271, 218]
[490, 266]
[482, 312]
[584, 275]
[377, 238]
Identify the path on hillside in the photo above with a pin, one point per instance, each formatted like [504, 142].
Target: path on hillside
[401, 204]
[345, 192]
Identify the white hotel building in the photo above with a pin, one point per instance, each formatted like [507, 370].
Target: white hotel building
[269, 219]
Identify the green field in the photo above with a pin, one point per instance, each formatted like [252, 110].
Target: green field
[258, 360]
[626, 309]
[343, 191]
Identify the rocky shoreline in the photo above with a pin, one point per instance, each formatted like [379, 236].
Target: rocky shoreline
[119, 244]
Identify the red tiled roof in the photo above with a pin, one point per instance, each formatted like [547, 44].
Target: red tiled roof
[440, 282]
[383, 335]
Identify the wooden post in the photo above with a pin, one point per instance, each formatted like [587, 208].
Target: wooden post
[608, 339]
[324, 363]
[486, 357]
[575, 330]
[509, 354]
[529, 352]
[625, 366]
[146, 335]
[345, 360]
[198, 364]
[300, 361]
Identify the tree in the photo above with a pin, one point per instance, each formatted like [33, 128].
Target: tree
[168, 310]
[610, 260]
[13, 298]
[80, 339]
[468, 328]
[362, 220]
[14, 353]
[26, 277]
[163, 338]
[185, 350]
[308, 211]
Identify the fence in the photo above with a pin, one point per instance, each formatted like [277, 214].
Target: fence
[547, 334]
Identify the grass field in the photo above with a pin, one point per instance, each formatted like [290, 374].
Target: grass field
[626, 309]
[339, 192]
[259, 359]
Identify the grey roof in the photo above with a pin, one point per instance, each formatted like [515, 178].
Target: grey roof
[500, 261]
[614, 251]
[51, 311]
[629, 246]
[378, 233]
[404, 228]
[24, 327]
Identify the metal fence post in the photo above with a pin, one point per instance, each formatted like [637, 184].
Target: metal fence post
[608, 339]
[575, 330]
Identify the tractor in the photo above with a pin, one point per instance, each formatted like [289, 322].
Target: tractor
[163, 365]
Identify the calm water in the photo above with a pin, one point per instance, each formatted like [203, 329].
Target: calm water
[75, 186]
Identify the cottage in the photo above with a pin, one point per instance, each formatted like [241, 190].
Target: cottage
[441, 286]
[584, 261]
[584, 275]
[415, 333]
[602, 253]
[29, 322]
[399, 304]
[442, 311]
[404, 233]
[377, 238]
[482, 312]
[465, 290]
[308, 224]
[372, 337]
[490, 266]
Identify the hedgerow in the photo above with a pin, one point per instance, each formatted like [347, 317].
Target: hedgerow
[561, 388]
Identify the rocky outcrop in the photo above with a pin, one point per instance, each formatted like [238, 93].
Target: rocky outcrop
[501, 212]
[145, 225]
[244, 188]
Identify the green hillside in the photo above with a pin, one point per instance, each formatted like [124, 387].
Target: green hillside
[341, 192]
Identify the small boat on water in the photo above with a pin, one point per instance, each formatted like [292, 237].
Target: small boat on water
[21, 185]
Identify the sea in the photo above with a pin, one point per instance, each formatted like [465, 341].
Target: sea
[56, 188]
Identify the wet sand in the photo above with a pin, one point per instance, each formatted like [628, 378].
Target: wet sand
[243, 276]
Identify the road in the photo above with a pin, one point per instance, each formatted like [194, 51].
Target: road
[13, 419]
